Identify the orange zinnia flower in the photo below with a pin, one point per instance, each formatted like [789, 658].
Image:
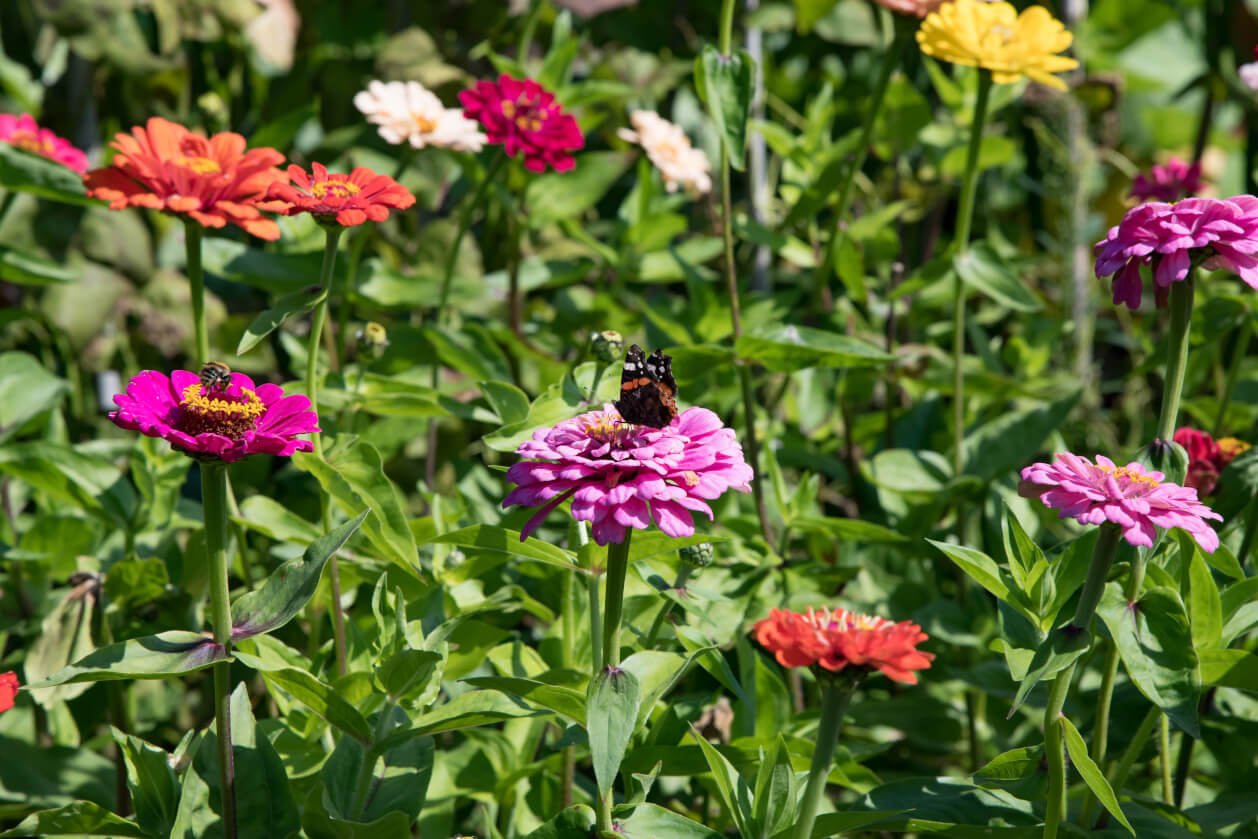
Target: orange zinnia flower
[347, 200]
[164, 166]
[839, 639]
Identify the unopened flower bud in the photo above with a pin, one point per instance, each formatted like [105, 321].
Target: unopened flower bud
[697, 556]
[373, 340]
[607, 347]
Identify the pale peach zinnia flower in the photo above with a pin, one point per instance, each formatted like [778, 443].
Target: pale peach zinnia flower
[668, 147]
[407, 112]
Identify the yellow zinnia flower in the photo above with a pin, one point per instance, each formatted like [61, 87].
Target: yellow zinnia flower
[995, 37]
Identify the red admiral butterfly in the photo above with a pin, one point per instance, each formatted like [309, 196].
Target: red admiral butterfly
[647, 389]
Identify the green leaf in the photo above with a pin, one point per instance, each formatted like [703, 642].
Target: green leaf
[651, 821]
[993, 151]
[89, 482]
[151, 657]
[476, 707]
[561, 195]
[997, 448]
[275, 521]
[734, 791]
[848, 530]
[1229, 668]
[65, 636]
[785, 349]
[611, 713]
[572, 823]
[1012, 765]
[777, 792]
[408, 672]
[981, 268]
[287, 591]
[27, 172]
[27, 390]
[807, 13]
[563, 701]
[399, 776]
[1062, 648]
[1205, 607]
[978, 565]
[501, 540]
[725, 84]
[297, 303]
[153, 785]
[651, 543]
[1155, 643]
[354, 476]
[1092, 774]
[276, 273]
[29, 269]
[315, 694]
[82, 818]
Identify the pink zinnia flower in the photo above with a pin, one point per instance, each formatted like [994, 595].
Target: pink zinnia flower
[24, 133]
[1223, 232]
[527, 120]
[620, 475]
[1170, 182]
[218, 422]
[1137, 501]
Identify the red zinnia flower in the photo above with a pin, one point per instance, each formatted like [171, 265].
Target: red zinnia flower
[24, 133]
[347, 200]
[8, 690]
[164, 166]
[1207, 457]
[839, 639]
[527, 120]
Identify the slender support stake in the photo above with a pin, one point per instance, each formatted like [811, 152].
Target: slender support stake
[326, 275]
[196, 282]
[834, 699]
[1177, 354]
[214, 508]
[1055, 752]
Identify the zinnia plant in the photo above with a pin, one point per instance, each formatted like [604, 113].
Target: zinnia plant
[26, 134]
[1168, 181]
[1207, 457]
[842, 648]
[681, 165]
[9, 686]
[408, 112]
[526, 120]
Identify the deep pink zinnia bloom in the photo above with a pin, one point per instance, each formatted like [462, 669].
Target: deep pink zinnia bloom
[24, 133]
[620, 475]
[1170, 182]
[1137, 501]
[217, 422]
[1221, 231]
[527, 120]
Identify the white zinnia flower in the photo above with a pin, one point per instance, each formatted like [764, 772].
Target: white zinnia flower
[1249, 74]
[409, 112]
[668, 147]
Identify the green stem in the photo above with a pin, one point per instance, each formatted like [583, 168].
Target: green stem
[683, 574]
[1102, 558]
[965, 218]
[1054, 750]
[1233, 372]
[1176, 355]
[617, 568]
[1183, 767]
[834, 699]
[727, 27]
[1251, 530]
[568, 649]
[214, 509]
[196, 282]
[904, 29]
[1164, 758]
[1119, 776]
[326, 275]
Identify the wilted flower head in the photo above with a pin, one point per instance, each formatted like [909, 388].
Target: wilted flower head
[8, 690]
[527, 120]
[620, 475]
[408, 112]
[1220, 232]
[1171, 181]
[333, 198]
[25, 133]
[996, 37]
[1137, 501]
[214, 181]
[215, 422]
[1207, 457]
[838, 639]
[680, 164]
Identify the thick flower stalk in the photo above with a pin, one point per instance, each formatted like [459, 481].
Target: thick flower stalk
[408, 112]
[1137, 501]
[215, 423]
[334, 198]
[842, 648]
[620, 476]
[996, 37]
[1169, 181]
[526, 120]
[24, 133]
[681, 165]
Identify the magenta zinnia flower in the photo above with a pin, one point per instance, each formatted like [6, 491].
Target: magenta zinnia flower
[217, 422]
[526, 119]
[25, 133]
[620, 475]
[1137, 501]
[1170, 182]
[1222, 232]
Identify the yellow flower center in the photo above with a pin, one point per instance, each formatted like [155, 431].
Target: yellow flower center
[423, 125]
[1231, 447]
[30, 141]
[1120, 472]
[333, 189]
[200, 165]
[508, 108]
[605, 427]
[219, 411]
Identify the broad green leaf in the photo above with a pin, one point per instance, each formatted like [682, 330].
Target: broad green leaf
[1012, 765]
[1063, 647]
[649, 543]
[575, 822]
[287, 591]
[785, 349]
[296, 303]
[656, 671]
[501, 540]
[316, 695]
[509, 402]
[651, 821]
[29, 269]
[399, 775]
[275, 521]
[777, 792]
[152, 782]
[408, 672]
[88, 481]
[978, 566]
[1205, 607]
[27, 390]
[476, 707]
[835, 824]
[27, 172]
[981, 268]
[734, 791]
[65, 636]
[275, 273]
[1229, 668]
[848, 530]
[994, 150]
[1002, 445]
[564, 701]
[807, 13]
[1155, 643]
[1092, 774]
[611, 713]
[151, 657]
[726, 85]
[82, 818]
[911, 473]
[354, 476]
[560, 195]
